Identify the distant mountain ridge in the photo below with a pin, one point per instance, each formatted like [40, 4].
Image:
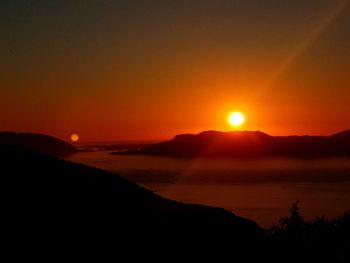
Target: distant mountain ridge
[37, 142]
[247, 144]
[345, 133]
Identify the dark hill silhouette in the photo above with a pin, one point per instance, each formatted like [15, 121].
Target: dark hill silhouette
[344, 134]
[55, 208]
[37, 142]
[51, 199]
[243, 144]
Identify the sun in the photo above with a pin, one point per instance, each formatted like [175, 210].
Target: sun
[236, 118]
[74, 137]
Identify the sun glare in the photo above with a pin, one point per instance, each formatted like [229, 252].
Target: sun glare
[236, 119]
[74, 137]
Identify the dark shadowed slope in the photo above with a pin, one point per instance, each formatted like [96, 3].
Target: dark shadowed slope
[50, 199]
[37, 142]
[250, 144]
[344, 135]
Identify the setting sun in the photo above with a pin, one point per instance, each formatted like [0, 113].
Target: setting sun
[74, 137]
[236, 119]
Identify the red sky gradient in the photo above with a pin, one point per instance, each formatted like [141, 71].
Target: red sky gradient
[153, 69]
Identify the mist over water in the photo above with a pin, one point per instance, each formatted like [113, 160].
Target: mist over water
[261, 189]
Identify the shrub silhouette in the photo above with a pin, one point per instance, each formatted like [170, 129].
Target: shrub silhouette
[320, 240]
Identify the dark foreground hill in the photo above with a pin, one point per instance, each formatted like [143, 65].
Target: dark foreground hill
[52, 202]
[37, 142]
[53, 208]
[249, 144]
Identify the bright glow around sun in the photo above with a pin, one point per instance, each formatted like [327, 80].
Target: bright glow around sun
[74, 137]
[236, 118]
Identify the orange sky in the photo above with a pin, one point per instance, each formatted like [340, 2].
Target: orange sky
[153, 69]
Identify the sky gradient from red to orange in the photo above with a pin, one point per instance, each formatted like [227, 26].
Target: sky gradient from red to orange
[138, 70]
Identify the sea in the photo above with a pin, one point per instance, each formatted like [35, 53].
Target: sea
[261, 189]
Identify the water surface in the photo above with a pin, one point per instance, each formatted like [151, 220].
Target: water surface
[261, 189]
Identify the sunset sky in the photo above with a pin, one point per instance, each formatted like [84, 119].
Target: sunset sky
[138, 70]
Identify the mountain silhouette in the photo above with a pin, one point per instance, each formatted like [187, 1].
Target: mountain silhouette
[53, 199]
[37, 142]
[52, 207]
[344, 134]
[246, 144]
